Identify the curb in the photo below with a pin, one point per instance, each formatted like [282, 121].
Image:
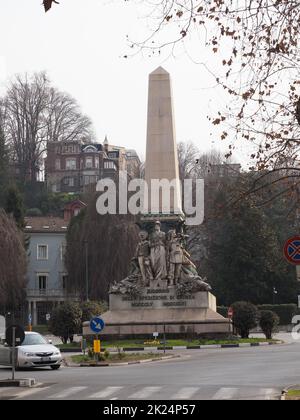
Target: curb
[200, 347]
[22, 383]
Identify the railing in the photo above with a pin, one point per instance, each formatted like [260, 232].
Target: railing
[49, 293]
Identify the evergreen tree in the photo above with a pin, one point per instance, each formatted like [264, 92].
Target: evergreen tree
[245, 260]
[15, 205]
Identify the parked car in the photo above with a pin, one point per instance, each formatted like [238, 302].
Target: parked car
[35, 351]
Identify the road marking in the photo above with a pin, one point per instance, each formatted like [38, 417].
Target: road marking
[270, 393]
[106, 392]
[225, 394]
[68, 392]
[31, 391]
[145, 392]
[185, 393]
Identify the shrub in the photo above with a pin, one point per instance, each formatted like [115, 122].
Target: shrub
[106, 354]
[34, 212]
[66, 321]
[245, 317]
[268, 323]
[285, 312]
[222, 310]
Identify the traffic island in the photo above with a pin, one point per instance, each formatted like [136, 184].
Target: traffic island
[117, 360]
[291, 394]
[24, 383]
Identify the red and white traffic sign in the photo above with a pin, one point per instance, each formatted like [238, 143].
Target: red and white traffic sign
[292, 250]
[230, 312]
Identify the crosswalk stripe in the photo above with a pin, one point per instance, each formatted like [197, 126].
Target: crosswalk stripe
[110, 390]
[145, 392]
[225, 394]
[270, 393]
[185, 393]
[68, 392]
[30, 392]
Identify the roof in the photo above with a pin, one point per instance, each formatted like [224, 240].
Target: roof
[46, 224]
[91, 147]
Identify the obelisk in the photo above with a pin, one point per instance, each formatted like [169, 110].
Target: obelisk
[161, 151]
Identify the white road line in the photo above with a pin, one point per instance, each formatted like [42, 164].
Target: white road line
[67, 392]
[107, 392]
[269, 393]
[145, 392]
[30, 391]
[185, 393]
[225, 394]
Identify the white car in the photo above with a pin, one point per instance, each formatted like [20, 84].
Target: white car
[35, 351]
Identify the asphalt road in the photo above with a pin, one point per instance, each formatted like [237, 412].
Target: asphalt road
[242, 373]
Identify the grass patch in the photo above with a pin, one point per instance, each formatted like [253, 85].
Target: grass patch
[293, 394]
[42, 329]
[69, 345]
[117, 358]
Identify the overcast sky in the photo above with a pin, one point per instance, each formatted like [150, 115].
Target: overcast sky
[81, 44]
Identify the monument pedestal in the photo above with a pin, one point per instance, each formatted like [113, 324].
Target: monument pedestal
[161, 310]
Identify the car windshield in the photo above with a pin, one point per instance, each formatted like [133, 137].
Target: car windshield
[33, 339]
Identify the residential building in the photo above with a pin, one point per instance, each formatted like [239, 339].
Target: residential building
[72, 167]
[47, 275]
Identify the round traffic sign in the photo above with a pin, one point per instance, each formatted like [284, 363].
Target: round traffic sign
[230, 312]
[19, 335]
[97, 324]
[292, 250]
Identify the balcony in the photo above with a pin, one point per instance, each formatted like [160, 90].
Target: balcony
[50, 293]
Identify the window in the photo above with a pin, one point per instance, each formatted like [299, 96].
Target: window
[88, 162]
[57, 164]
[63, 251]
[42, 252]
[69, 148]
[42, 279]
[69, 181]
[97, 162]
[64, 280]
[70, 164]
[109, 165]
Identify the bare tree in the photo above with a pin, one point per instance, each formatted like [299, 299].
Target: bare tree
[13, 262]
[256, 48]
[33, 113]
[64, 120]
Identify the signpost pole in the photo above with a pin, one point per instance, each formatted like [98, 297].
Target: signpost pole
[164, 338]
[13, 353]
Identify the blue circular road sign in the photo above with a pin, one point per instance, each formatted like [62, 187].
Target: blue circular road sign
[97, 324]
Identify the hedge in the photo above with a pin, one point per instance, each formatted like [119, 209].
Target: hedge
[284, 311]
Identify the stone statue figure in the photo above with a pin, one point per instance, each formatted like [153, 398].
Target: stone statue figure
[158, 253]
[174, 256]
[143, 256]
[160, 261]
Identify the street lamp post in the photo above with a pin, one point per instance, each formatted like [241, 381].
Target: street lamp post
[86, 270]
[274, 294]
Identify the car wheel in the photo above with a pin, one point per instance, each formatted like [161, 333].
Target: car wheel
[55, 367]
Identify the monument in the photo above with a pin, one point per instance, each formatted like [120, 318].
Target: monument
[163, 291]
